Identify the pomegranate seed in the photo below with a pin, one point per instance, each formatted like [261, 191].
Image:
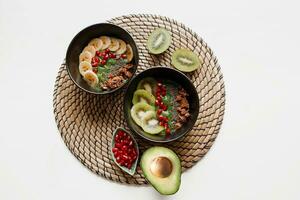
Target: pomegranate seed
[124, 148]
[130, 144]
[159, 111]
[121, 133]
[123, 56]
[102, 54]
[114, 149]
[168, 131]
[112, 55]
[103, 62]
[164, 107]
[166, 126]
[95, 64]
[118, 145]
[161, 104]
[157, 103]
[161, 123]
[159, 84]
[118, 159]
[95, 71]
[117, 137]
[107, 51]
[159, 98]
[161, 118]
[163, 93]
[105, 57]
[129, 166]
[116, 153]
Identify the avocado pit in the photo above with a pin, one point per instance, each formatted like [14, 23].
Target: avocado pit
[161, 167]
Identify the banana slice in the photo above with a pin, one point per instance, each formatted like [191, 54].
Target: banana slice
[85, 56]
[114, 46]
[97, 43]
[91, 78]
[122, 47]
[84, 66]
[129, 53]
[90, 49]
[105, 41]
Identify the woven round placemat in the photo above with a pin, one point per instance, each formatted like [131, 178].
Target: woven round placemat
[86, 121]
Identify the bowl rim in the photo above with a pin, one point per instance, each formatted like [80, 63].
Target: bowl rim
[69, 51]
[126, 115]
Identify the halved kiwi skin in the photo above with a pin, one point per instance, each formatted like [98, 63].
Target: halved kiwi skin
[136, 108]
[144, 94]
[185, 60]
[163, 45]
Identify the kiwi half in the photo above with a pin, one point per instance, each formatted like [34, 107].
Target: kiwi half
[159, 41]
[185, 60]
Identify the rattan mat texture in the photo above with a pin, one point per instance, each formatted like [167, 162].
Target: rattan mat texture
[86, 121]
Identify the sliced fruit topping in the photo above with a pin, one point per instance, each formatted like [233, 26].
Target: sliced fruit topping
[122, 47]
[84, 66]
[90, 49]
[114, 45]
[150, 124]
[96, 43]
[139, 110]
[105, 41]
[143, 96]
[159, 41]
[186, 60]
[85, 56]
[129, 53]
[91, 78]
[148, 84]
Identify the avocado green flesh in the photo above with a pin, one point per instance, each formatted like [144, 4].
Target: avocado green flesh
[185, 60]
[168, 185]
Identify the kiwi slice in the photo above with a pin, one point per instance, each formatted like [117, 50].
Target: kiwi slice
[143, 96]
[150, 124]
[148, 84]
[159, 41]
[185, 60]
[139, 110]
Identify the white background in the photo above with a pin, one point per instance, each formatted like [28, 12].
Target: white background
[256, 155]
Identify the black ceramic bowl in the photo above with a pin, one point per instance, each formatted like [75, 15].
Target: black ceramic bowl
[163, 73]
[83, 38]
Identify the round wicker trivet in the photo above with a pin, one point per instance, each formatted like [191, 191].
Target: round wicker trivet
[86, 121]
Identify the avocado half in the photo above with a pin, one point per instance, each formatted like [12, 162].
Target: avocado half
[161, 167]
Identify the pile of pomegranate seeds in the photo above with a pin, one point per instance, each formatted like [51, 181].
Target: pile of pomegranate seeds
[124, 149]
